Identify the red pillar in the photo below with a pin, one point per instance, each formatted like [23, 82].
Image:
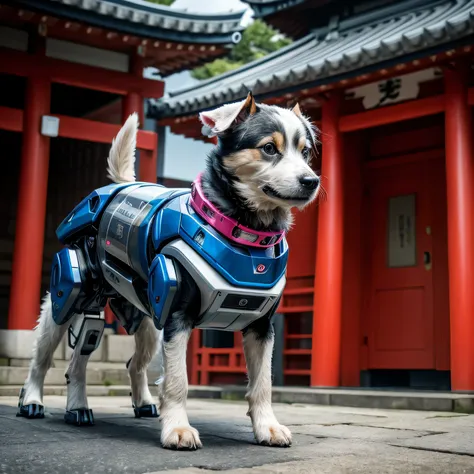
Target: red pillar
[326, 352]
[148, 165]
[33, 187]
[133, 102]
[460, 194]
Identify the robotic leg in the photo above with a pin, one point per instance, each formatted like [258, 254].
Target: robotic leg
[84, 336]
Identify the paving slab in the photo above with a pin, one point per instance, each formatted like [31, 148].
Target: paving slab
[455, 443]
[349, 431]
[326, 440]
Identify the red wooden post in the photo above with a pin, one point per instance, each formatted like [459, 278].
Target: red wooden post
[460, 194]
[133, 102]
[29, 235]
[192, 357]
[148, 169]
[326, 350]
[351, 286]
[109, 315]
[205, 364]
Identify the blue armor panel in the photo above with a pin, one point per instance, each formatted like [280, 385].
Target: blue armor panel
[66, 284]
[249, 267]
[163, 283]
[129, 243]
[87, 212]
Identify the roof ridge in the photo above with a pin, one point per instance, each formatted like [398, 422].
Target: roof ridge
[145, 19]
[174, 12]
[388, 12]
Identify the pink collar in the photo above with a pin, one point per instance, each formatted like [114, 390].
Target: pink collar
[227, 226]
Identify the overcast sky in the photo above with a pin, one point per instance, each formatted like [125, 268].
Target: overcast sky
[210, 6]
[185, 158]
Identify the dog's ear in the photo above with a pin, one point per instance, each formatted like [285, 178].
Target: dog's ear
[221, 119]
[296, 109]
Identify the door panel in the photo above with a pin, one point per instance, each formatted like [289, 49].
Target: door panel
[400, 312]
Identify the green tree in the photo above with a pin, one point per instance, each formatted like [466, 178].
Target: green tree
[258, 40]
[162, 2]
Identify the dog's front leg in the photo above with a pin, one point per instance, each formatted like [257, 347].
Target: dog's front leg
[176, 432]
[48, 336]
[258, 347]
[77, 408]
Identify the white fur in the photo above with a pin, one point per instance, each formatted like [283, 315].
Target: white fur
[147, 340]
[220, 119]
[48, 337]
[176, 432]
[76, 375]
[121, 160]
[258, 355]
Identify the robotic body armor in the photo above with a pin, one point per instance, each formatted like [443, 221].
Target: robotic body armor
[134, 243]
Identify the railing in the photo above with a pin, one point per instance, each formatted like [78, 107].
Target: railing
[220, 366]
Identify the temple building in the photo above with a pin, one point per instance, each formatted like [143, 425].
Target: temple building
[380, 274]
[70, 72]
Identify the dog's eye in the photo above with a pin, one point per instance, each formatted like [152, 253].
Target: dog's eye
[305, 153]
[270, 149]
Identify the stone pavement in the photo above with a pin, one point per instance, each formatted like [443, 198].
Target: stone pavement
[325, 440]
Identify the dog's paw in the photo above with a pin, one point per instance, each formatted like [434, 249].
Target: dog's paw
[273, 435]
[185, 437]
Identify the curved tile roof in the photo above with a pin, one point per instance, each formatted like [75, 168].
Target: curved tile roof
[150, 19]
[357, 43]
[263, 8]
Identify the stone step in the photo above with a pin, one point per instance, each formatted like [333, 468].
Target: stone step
[92, 390]
[112, 391]
[360, 398]
[97, 374]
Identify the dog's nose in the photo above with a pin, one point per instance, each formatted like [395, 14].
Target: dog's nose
[309, 182]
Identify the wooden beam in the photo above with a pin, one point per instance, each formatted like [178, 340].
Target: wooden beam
[111, 112]
[11, 119]
[78, 129]
[89, 130]
[78, 75]
[391, 114]
[348, 123]
[385, 162]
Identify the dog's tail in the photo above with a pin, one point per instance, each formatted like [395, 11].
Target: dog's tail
[121, 160]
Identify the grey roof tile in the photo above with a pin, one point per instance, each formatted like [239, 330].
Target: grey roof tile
[200, 26]
[267, 7]
[316, 58]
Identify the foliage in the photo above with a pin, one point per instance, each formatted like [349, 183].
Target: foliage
[162, 2]
[258, 40]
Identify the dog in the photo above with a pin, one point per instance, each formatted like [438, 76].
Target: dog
[259, 170]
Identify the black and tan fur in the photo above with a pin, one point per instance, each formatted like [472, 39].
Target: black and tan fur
[258, 171]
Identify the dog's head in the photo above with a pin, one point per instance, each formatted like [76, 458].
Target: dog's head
[268, 149]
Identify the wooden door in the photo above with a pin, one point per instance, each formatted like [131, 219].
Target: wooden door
[400, 300]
